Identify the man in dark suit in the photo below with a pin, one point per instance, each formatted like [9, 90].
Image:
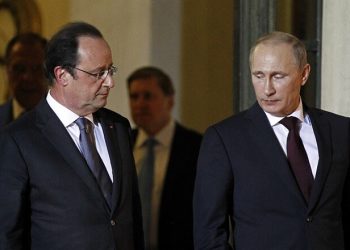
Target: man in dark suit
[54, 192]
[24, 58]
[151, 95]
[246, 177]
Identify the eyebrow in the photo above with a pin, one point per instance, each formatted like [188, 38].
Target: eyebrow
[101, 68]
[272, 73]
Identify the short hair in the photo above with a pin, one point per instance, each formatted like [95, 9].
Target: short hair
[278, 37]
[28, 38]
[62, 49]
[163, 80]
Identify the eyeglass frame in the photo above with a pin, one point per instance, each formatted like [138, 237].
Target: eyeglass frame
[102, 75]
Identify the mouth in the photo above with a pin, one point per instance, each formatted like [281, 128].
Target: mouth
[269, 102]
[105, 94]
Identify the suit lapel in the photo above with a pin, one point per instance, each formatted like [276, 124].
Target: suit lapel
[269, 149]
[57, 135]
[323, 137]
[112, 137]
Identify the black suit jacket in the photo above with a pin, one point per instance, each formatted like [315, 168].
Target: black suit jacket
[175, 230]
[49, 199]
[6, 113]
[243, 172]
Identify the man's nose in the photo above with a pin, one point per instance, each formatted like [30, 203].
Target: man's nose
[109, 81]
[269, 87]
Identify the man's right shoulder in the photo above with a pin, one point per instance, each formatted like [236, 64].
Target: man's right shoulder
[232, 121]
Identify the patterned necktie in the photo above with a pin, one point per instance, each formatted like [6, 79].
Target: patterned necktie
[145, 186]
[93, 159]
[297, 157]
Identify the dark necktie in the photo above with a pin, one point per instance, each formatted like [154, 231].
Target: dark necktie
[93, 159]
[297, 157]
[145, 186]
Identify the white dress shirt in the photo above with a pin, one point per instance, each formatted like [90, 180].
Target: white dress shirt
[67, 117]
[307, 135]
[162, 154]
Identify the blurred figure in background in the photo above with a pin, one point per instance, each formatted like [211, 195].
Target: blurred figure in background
[24, 59]
[166, 186]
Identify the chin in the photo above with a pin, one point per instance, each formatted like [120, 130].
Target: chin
[103, 103]
[272, 111]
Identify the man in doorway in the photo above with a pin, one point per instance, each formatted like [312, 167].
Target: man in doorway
[166, 185]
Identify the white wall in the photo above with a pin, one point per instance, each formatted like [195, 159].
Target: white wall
[335, 85]
[126, 27]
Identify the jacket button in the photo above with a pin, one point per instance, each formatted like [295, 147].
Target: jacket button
[309, 219]
[113, 222]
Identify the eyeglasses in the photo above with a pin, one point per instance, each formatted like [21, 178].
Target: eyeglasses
[102, 75]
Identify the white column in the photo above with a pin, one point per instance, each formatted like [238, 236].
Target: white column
[335, 85]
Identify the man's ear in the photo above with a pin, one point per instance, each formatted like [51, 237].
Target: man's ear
[61, 75]
[305, 74]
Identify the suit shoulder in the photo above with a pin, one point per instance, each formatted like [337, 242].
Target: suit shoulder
[186, 139]
[190, 133]
[22, 125]
[233, 121]
[234, 127]
[112, 116]
[314, 112]
[6, 113]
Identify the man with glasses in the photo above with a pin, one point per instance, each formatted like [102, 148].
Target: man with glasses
[67, 175]
[24, 59]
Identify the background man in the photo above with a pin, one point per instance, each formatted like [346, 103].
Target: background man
[24, 59]
[168, 210]
[280, 190]
[67, 176]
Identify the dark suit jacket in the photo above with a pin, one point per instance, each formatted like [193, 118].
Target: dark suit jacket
[175, 230]
[6, 113]
[49, 199]
[243, 172]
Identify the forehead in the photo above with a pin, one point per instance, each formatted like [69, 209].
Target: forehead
[277, 55]
[94, 50]
[26, 51]
[149, 84]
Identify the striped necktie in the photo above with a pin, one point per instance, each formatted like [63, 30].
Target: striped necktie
[93, 159]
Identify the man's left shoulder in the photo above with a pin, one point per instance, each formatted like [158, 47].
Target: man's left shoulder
[108, 115]
[316, 113]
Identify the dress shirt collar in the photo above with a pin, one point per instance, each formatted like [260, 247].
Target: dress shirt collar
[298, 113]
[66, 116]
[163, 137]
